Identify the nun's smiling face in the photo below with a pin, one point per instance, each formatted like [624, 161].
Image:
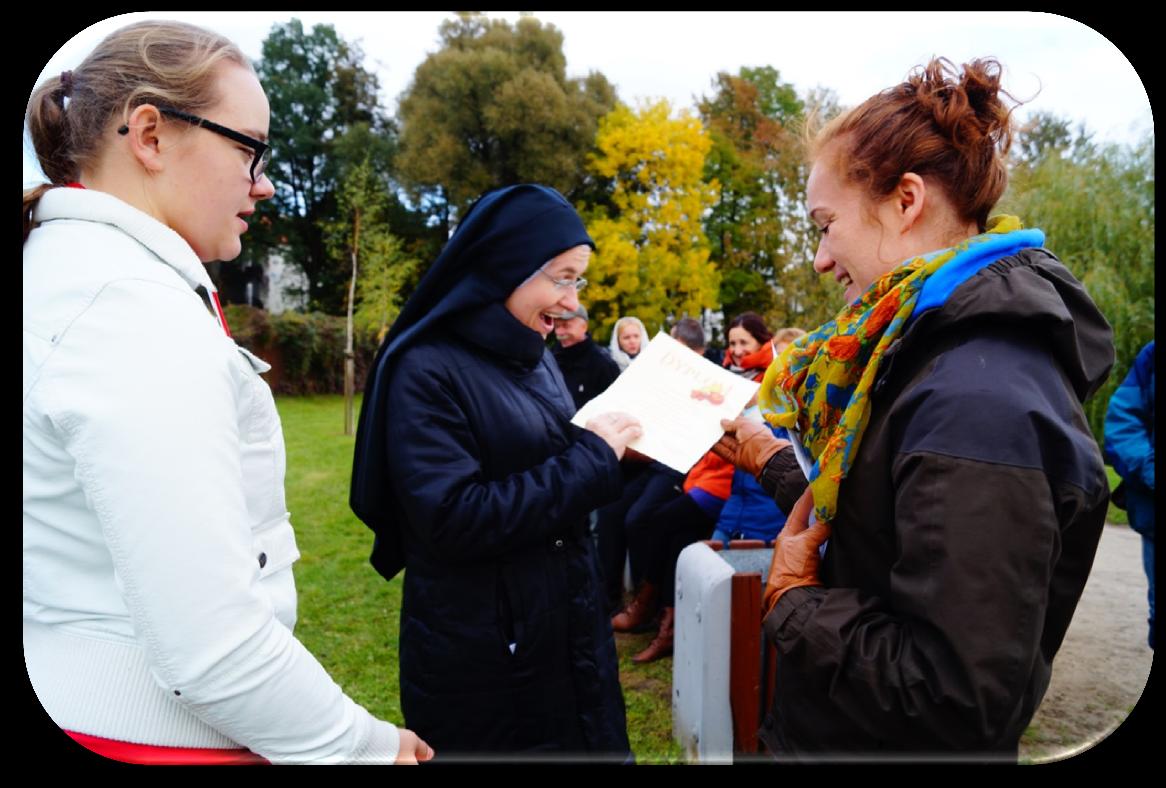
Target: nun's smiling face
[550, 292]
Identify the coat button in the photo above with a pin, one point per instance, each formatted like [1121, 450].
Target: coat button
[262, 560]
[558, 544]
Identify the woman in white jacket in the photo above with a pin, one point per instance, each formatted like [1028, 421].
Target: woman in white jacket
[158, 593]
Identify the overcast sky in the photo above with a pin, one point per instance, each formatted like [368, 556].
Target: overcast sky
[1052, 62]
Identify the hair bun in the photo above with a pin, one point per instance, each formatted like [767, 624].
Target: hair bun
[965, 103]
[945, 122]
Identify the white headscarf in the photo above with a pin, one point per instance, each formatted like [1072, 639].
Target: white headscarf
[621, 358]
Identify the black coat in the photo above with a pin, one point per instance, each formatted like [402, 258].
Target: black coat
[965, 530]
[505, 647]
[587, 369]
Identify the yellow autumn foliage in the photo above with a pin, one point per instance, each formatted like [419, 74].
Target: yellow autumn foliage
[652, 258]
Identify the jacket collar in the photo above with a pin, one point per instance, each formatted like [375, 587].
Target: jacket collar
[1031, 289]
[492, 328]
[87, 205]
[576, 351]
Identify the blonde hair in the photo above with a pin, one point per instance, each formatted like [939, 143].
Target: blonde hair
[787, 335]
[171, 64]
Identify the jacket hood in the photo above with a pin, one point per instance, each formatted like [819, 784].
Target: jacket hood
[621, 358]
[1034, 289]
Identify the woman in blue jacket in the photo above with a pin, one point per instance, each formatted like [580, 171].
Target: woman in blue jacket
[469, 472]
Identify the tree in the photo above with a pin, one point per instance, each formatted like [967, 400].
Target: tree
[1045, 135]
[360, 236]
[363, 226]
[653, 256]
[1096, 207]
[319, 92]
[758, 231]
[494, 107]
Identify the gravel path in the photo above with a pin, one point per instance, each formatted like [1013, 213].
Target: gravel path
[1101, 669]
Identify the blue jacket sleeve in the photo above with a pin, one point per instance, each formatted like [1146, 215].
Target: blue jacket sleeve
[436, 467]
[1129, 423]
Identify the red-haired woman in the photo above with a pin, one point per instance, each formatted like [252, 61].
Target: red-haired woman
[940, 419]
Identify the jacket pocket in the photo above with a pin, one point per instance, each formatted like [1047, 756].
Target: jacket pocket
[273, 544]
[505, 613]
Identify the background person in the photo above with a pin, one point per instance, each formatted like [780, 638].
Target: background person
[659, 529]
[471, 475]
[587, 369]
[750, 512]
[750, 350]
[952, 466]
[627, 339]
[1129, 446]
[158, 592]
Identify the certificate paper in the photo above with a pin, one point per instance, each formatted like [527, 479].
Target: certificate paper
[678, 396]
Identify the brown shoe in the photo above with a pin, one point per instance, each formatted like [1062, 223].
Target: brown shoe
[661, 645]
[638, 615]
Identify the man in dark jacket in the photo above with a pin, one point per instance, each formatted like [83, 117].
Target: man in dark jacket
[587, 369]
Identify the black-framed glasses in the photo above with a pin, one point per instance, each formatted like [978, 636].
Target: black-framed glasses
[259, 161]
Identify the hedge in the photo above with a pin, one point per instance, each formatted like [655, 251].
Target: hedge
[306, 351]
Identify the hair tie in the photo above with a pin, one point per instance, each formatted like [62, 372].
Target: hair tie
[62, 96]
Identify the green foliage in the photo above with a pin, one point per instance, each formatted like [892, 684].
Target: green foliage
[492, 107]
[1114, 514]
[1096, 207]
[653, 256]
[1044, 135]
[306, 351]
[383, 268]
[760, 236]
[250, 327]
[324, 111]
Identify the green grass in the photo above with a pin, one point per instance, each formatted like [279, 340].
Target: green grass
[348, 615]
[1115, 515]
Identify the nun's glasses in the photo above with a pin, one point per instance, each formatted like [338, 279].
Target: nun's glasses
[566, 284]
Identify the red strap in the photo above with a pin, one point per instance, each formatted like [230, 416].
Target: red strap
[74, 185]
[153, 755]
[222, 314]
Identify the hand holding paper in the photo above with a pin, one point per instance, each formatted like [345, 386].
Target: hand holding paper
[678, 397]
[618, 429]
[748, 444]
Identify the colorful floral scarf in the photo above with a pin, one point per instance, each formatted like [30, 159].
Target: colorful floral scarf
[820, 384]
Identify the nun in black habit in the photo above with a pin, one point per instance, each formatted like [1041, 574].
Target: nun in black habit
[471, 476]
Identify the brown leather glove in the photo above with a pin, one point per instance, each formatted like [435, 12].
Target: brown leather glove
[795, 555]
[747, 444]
